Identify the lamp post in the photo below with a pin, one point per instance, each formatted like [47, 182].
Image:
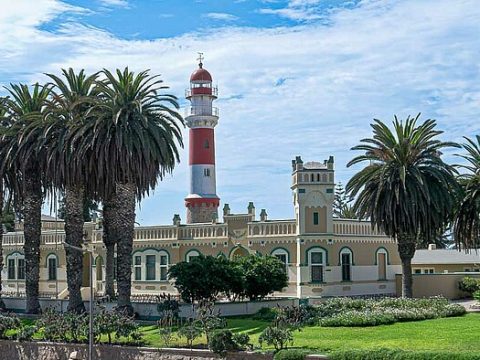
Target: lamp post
[90, 305]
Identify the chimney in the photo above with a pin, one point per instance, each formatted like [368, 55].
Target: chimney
[226, 210]
[263, 215]
[330, 163]
[176, 219]
[432, 247]
[251, 210]
[298, 163]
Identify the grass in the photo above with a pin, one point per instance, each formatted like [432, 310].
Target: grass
[459, 334]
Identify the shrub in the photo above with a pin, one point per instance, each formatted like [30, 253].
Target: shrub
[382, 354]
[221, 341]
[190, 332]
[476, 295]
[452, 310]
[291, 354]
[469, 285]
[265, 314]
[278, 337]
[26, 333]
[242, 341]
[8, 322]
[359, 318]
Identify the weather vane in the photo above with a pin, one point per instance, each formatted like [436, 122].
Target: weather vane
[200, 59]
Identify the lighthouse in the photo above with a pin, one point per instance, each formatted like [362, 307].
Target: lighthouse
[201, 117]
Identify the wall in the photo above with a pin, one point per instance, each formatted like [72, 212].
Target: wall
[48, 351]
[426, 285]
[149, 310]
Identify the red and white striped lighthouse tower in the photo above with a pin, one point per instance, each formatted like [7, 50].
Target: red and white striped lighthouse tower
[201, 117]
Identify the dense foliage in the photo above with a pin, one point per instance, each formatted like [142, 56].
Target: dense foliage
[469, 285]
[291, 354]
[406, 189]
[208, 277]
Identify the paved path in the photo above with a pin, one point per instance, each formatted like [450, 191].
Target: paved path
[470, 305]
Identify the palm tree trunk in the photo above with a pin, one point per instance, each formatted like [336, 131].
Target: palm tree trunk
[32, 213]
[2, 304]
[109, 239]
[406, 249]
[122, 224]
[74, 196]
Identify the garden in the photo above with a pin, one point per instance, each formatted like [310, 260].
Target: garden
[343, 328]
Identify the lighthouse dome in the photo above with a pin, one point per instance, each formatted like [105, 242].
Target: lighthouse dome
[200, 75]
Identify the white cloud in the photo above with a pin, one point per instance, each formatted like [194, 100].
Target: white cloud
[374, 60]
[114, 3]
[221, 16]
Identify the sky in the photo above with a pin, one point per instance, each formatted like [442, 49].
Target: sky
[297, 77]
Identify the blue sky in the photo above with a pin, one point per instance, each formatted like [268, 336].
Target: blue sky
[297, 77]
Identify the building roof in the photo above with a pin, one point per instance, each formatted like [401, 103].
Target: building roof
[441, 256]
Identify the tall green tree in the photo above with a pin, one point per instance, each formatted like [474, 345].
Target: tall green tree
[21, 152]
[72, 98]
[406, 189]
[467, 216]
[134, 142]
[342, 204]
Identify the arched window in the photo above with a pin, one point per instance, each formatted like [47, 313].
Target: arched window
[312, 178]
[191, 254]
[318, 177]
[206, 144]
[52, 267]
[381, 258]
[346, 260]
[206, 172]
[317, 260]
[151, 265]
[282, 255]
[16, 266]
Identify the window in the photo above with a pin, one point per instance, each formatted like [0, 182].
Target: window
[138, 267]
[115, 268]
[282, 255]
[317, 259]
[312, 177]
[418, 271]
[382, 263]
[318, 177]
[163, 267]
[11, 269]
[52, 267]
[206, 172]
[315, 218]
[191, 254]
[301, 191]
[206, 144]
[21, 269]
[346, 264]
[150, 267]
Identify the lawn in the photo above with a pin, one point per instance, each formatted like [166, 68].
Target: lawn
[458, 334]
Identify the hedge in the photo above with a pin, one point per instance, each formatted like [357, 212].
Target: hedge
[387, 354]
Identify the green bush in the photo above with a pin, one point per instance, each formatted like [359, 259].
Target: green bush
[278, 337]
[291, 354]
[387, 354]
[8, 322]
[469, 285]
[265, 314]
[242, 341]
[221, 341]
[476, 295]
[359, 318]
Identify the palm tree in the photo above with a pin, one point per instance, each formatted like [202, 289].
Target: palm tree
[133, 143]
[406, 189]
[467, 217]
[20, 151]
[71, 101]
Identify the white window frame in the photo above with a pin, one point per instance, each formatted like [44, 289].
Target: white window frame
[16, 257]
[163, 253]
[350, 264]
[323, 264]
[190, 254]
[282, 252]
[137, 266]
[382, 251]
[49, 257]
